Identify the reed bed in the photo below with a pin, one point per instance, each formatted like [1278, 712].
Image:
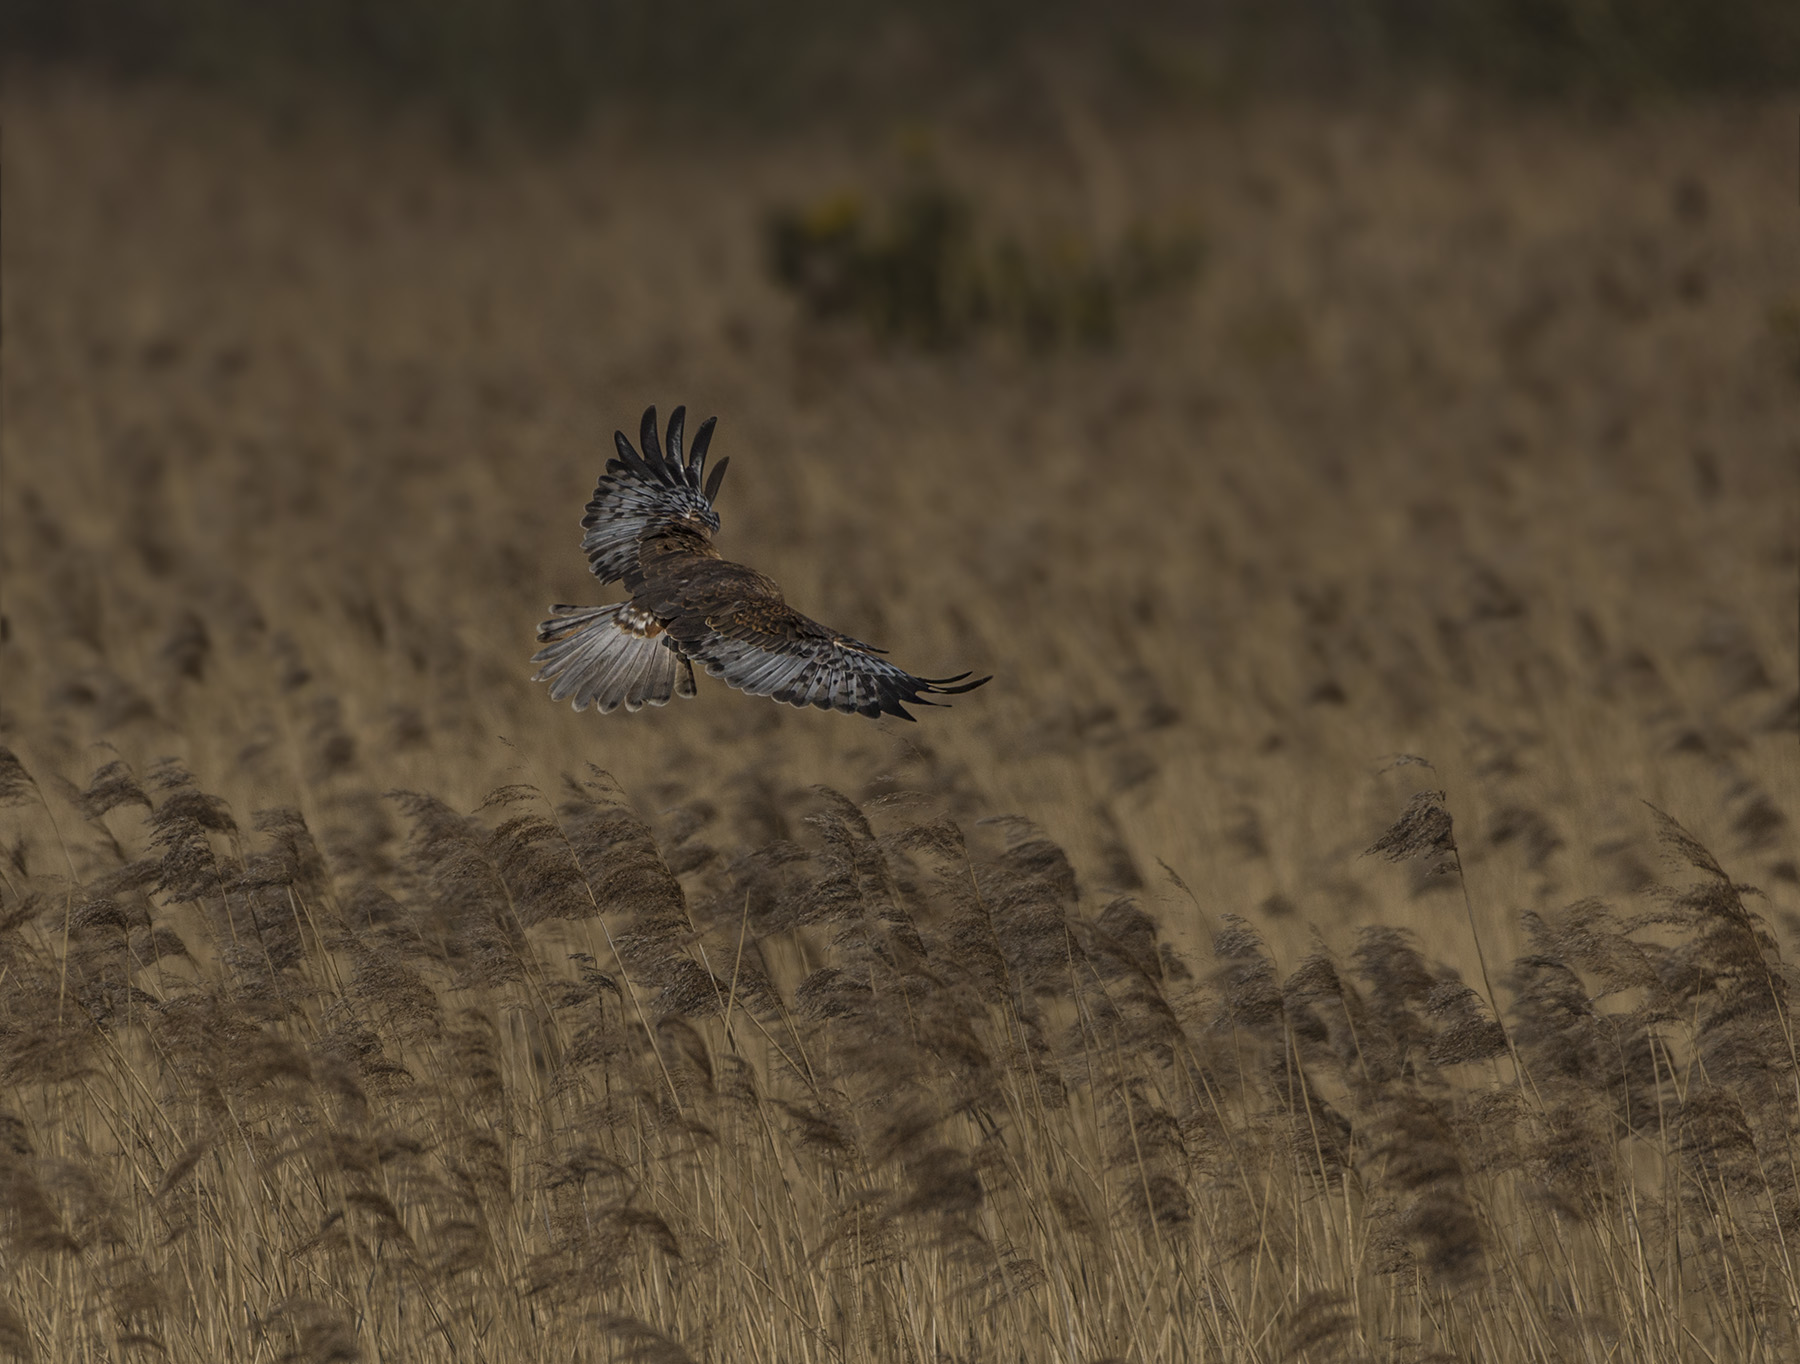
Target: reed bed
[881, 1089]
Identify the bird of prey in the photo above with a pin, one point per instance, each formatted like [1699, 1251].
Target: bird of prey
[650, 527]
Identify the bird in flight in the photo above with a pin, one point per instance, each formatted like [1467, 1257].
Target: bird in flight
[650, 527]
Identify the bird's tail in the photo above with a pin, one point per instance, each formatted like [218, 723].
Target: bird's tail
[610, 656]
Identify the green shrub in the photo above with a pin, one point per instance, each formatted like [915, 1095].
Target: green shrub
[919, 270]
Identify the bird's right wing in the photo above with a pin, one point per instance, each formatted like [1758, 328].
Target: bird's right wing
[641, 494]
[767, 648]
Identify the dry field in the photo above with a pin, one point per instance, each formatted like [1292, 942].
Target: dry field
[357, 1003]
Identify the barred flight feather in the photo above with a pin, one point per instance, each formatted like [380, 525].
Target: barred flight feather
[639, 495]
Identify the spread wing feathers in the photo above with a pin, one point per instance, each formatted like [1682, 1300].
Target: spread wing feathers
[640, 494]
[611, 656]
[769, 649]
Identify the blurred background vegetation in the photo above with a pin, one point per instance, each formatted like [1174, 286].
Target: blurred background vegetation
[924, 268]
[547, 64]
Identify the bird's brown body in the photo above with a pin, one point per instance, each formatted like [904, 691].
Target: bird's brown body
[649, 526]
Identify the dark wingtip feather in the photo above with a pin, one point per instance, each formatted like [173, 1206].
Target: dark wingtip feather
[647, 436]
[716, 478]
[672, 442]
[942, 686]
[702, 440]
[633, 462]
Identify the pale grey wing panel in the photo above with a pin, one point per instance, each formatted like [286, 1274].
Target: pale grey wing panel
[639, 494]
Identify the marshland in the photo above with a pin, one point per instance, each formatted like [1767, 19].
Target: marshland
[1358, 922]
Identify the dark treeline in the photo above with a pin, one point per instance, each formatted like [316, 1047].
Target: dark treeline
[549, 63]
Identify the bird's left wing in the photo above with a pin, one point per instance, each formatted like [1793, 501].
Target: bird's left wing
[641, 494]
[766, 648]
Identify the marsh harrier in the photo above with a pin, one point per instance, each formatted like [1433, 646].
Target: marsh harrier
[650, 526]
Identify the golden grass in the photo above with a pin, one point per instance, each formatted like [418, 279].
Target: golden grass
[348, 1010]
